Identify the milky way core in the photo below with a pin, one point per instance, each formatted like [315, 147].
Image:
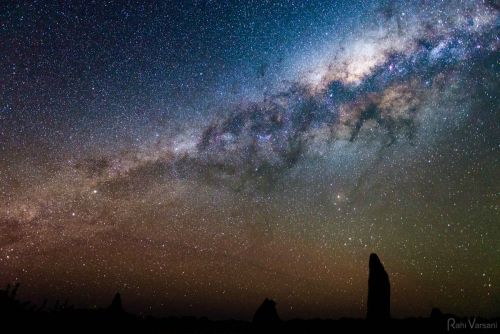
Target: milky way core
[200, 157]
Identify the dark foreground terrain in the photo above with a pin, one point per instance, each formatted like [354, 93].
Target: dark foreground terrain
[21, 317]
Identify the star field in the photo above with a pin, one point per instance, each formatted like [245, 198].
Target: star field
[199, 157]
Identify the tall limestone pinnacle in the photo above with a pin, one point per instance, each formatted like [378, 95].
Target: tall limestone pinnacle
[379, 291]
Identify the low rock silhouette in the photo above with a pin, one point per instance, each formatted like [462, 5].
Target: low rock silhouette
[436, 313]
[266, 314]
[116, 305]
[379, 291]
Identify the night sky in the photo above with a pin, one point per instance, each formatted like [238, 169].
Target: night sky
[199, 157]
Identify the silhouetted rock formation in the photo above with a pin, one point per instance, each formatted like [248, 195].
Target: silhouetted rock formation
[116, 305]
[436, 313]
[266, 314]
[379, 291]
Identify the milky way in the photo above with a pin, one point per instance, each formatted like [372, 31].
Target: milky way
[201, 157]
